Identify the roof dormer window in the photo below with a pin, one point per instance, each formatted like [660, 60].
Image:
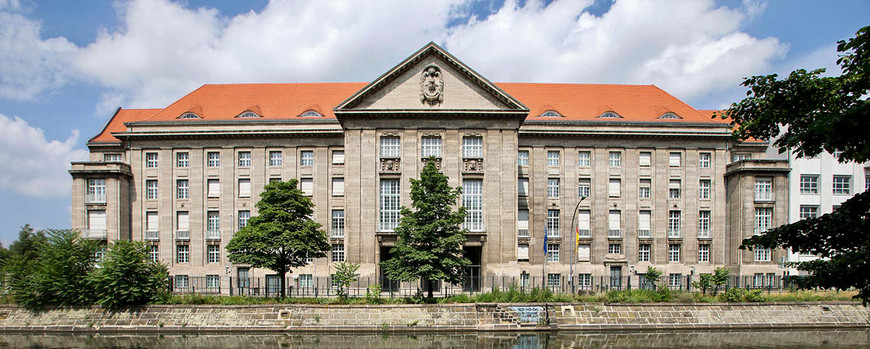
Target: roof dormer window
[669, 115]
[189, 115]
[248, 115]
[609, 115]
[551, 114]
[311, 114]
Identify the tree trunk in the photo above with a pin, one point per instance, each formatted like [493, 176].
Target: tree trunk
[429, 288]
[283, 275]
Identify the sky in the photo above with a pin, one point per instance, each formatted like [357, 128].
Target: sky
[66, 65]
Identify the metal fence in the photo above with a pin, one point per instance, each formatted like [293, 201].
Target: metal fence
[557, 283]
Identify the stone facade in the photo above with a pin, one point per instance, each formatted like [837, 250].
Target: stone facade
[653, 188]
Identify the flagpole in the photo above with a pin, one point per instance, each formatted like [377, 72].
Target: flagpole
[576, 241]
[544, 265]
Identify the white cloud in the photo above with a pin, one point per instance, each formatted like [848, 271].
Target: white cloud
[689, 48]
[29, 65]
[32, 165]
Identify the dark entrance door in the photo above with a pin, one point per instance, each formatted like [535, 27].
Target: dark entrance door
[616, 277]
[244, 279]
[386, 284]
[472, 277]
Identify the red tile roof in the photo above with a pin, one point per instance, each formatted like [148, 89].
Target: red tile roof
[116, 123]
[575, 102]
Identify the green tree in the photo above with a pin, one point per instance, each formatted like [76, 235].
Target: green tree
[345, 274]
[809, 113]
[28, 242]
[128, 278]
[652, 276]
[430, 239]
[282, 235]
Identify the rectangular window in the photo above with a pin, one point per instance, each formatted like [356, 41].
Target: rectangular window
[762, 254]
[212, 283]
[151, 189]
[338, 186]
[614, 187]
[472, 200]
[306, 281]
[389, 215]
[553, 158]
[523, 187]
[584, 281]
[552, 253]
[584, 188]
[112, 158]
[97, 222]
[763, 219]
[675, 281]
[274, 179]
[553, 223]
[705, 160]
[740, 156]
[182, 189]
[644, 229]
[182, 223]
[643, 252]
[337, 253]
[552, 188]
[763, 189]
[704, 253]
[584, 224]
[244, 187]
[213, 225]
[182, 159]
[614, 220]
[583, 252]
[842, 185]
[306, 158]
[214, 159]
[154, 254]
[809, 184]
[523, 252]
[867, 182]
[182, 254]
[523, 158]
[276, 158]
[472, 147]
[337, 229]
[214, 254]
[244, 216]
[674, 223]
[244, 159]
[390, 147]
[644, 190]
[307, 186]
[809, 211]
[673, 252]
[338, 157]
[151, 160]
[584, 159]
[674, 189]
[674, 160]
[644, 159]
[214, 188]
[615, 159]
[614, 248]
[554, 281]
[182, 282]
[152, 223]
[703, 224]
[96, 191]
[704, 189]
[430, 146]
[523, 223]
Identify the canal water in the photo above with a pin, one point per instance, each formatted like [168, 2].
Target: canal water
[836, 338]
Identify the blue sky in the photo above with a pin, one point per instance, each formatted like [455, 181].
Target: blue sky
[65, 65]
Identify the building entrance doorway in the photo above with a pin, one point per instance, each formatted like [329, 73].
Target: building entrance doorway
[472, 276]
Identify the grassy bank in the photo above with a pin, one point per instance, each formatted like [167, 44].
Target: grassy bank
[541, 296]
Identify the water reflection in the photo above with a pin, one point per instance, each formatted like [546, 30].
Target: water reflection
[842, 338]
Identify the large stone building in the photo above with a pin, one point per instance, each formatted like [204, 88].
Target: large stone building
[645, 179]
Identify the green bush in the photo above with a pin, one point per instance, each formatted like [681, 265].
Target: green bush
[734, 295]
[127, 278]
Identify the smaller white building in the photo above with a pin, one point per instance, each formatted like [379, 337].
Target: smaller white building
[819, 185]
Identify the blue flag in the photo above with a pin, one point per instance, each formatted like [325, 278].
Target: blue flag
[545, 239]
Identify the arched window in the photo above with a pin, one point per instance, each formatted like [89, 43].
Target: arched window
[248, 115]
[551, 114]
[609, 115]
[189, 116]
[310, 114]
[669, 115]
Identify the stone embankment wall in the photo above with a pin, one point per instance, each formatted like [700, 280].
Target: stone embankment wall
[447, 317]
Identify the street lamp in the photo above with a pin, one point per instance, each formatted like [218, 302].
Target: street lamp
[574, 249]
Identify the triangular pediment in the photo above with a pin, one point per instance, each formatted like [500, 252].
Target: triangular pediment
[431, 81]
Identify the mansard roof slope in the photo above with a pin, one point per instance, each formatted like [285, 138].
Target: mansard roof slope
[288, 101]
